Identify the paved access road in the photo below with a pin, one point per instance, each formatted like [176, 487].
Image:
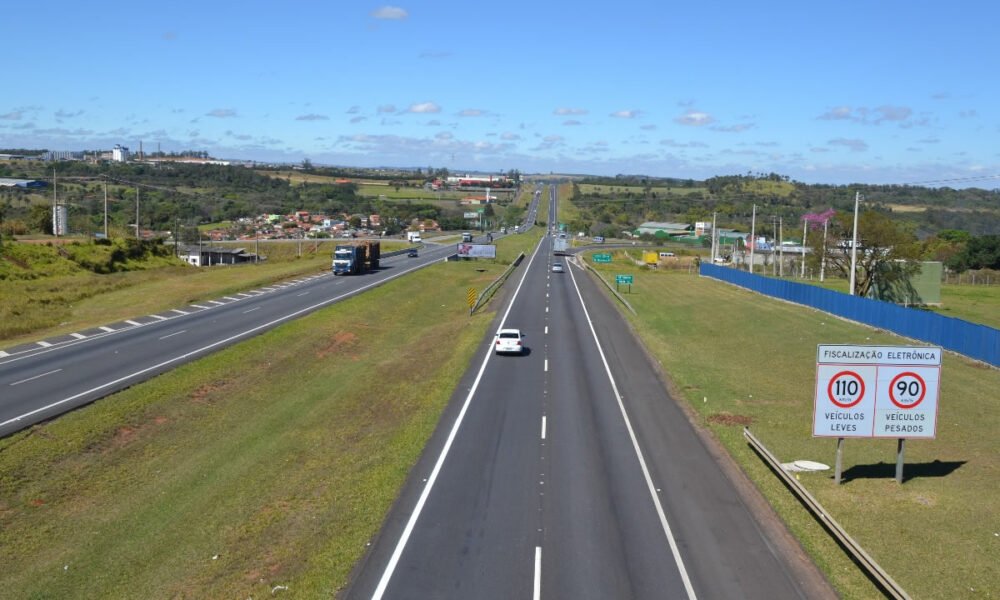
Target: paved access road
[42, 380]
[569, 473]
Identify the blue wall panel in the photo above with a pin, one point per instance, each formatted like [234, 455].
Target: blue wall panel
[971, 339]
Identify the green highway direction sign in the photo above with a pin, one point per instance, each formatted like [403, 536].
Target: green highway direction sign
[602, 258]
[623, 279]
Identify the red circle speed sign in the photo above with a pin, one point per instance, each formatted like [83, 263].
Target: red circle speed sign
[846, 389]
[907, 390]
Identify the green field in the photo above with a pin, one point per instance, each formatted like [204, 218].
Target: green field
[738, 358]
[638, 190]
[268, 464]
[974, 303]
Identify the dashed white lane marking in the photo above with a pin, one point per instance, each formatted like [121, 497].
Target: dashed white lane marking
[543, 427]
[43, 344]
[546, 330]
[158, 317]
[537, 593]
[302, 294]
[34, 378]
[173, 334]
[245, 295]
[135, 323]
[216, 302]
[546, 365]
[546, 309]
[78, 336]
[106, 328]
[251, 310]
[179, 311]
[231, 298]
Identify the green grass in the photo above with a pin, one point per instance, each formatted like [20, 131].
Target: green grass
[737, 357]
[974, 303]
[269, 463]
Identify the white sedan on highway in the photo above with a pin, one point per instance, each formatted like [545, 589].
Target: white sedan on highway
[508, 341]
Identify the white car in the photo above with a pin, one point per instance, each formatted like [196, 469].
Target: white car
[508, 341]
[557, 268]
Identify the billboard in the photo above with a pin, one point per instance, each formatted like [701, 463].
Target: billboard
[477, 251]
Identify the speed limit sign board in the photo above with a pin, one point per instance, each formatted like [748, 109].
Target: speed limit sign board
[876, 391]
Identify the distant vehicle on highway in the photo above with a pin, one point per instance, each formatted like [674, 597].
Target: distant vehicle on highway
[557, 268]
[508, 341]
[412, 253]
[598, 239]
[466, 237]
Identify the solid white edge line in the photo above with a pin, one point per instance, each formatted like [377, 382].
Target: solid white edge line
[674, 549]
[210, 346]
[537, 588]
[411, 523]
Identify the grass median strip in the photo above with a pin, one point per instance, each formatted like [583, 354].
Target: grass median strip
[738, 358]
[269, 463]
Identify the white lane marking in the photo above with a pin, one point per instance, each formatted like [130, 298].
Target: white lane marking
[546, 365]
[135, 323]
[34, 378]
[546, 309]
[200, 306]
[251, 310]
[302, 294]
[2, 354]
[543, 427]
[43, 344]
[411, 523]
[179, 311]
[231, 298]
[105, 328]
[78, 336]
[546, 330]
[173, 334]
[674, 549]
[245, 295]
[537, 589]
[216, 302]
[158, 317]
[217, 343]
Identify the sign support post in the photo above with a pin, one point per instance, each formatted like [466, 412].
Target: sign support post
[840, 461]
[900, 447]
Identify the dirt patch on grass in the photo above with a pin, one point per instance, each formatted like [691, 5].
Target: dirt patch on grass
[204, 394]
[729, 419]
[343, 342]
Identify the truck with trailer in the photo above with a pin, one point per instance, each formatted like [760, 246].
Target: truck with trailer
[560, 244]
[356, 258]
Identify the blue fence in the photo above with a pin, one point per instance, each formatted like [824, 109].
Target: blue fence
[976, 341]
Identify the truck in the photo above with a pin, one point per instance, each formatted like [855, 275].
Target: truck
[413, 237]
[356, 257]
[560, 244]
[466, 237]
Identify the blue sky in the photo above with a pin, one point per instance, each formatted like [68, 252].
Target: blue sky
[849, 92]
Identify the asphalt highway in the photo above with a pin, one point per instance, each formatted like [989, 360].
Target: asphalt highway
[42, 380]
[568, 472]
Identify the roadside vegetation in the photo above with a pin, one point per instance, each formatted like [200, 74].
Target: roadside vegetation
[271, 463]
[739, 359]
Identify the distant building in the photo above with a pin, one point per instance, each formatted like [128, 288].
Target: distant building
[664, 229]
[22, 183]
[213, 255]
[120, 153]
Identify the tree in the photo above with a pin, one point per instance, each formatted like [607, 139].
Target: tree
[981, 252]
[887, 253]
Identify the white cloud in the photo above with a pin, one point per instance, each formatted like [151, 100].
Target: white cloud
[836, 114]
[694, 118]
[221, 113]
[471, 112]
[385, 109]
[312, 117]
[509, 136]
[572, 122]
[626, 114]
[424, 108]
[737, 128]
[564, 111]
[390, 13]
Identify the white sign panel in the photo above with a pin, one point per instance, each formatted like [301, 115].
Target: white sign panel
[876, 391]
[471, 215]
[477, 251]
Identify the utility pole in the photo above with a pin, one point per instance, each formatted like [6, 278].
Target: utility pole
[105, 207]
[822, 260]
[805, 226]
[137, 237]
[774, 249]
[781, 248]
[854, 241]
[55, 205]
[753, 235]
[714, 250]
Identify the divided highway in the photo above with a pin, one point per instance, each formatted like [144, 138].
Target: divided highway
[569, 473]
[40, 381]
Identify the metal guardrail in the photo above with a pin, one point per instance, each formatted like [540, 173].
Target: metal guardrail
[492, 287]
[608, 285]
[858, 554]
